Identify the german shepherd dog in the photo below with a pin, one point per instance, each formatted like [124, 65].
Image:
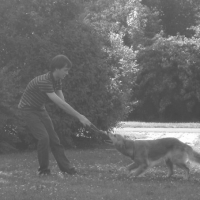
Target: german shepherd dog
[148, 153]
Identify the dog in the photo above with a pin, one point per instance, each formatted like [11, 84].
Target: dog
[148, 153]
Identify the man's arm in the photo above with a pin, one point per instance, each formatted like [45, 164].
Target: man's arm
[60, 94]
[68, 109]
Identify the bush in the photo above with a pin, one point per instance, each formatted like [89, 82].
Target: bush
[167, 85]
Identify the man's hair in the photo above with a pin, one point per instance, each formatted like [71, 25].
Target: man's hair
[59, 62]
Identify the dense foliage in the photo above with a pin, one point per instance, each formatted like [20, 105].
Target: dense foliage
[32, 32]
[168, 81]
[176, 16]
[124, 58]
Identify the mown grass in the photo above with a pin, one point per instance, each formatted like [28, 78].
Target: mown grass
[158, 125]
[100, 177]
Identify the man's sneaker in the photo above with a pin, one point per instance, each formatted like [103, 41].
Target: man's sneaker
[71, 171]
[44, 172]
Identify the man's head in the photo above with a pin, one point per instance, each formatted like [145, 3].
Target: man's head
[60, 65]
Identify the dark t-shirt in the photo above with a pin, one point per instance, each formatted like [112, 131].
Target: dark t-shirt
[34, 96]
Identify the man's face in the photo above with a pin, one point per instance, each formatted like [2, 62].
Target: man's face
[61, 73]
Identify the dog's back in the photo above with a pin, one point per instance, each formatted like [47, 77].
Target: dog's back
[160, 147]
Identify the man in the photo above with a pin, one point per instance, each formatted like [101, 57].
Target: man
[32, 103]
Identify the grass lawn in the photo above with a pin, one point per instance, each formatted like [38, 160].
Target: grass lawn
[100, 177]
[158, 125]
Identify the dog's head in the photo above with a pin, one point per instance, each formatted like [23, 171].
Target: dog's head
[116, 139]
[125, 146]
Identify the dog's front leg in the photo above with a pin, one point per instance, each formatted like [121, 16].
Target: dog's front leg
[139, 170]
[129, 168]
[170, 167]
[132, 166]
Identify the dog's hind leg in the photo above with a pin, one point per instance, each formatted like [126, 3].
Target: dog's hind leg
[185, 168]
[170, 167]
[180, 160]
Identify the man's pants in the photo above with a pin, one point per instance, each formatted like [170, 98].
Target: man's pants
[41, 127]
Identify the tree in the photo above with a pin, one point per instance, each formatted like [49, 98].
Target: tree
[168, 80]
[124, 26]
[176, 16]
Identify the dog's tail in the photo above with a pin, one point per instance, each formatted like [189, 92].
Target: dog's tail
[192, 154]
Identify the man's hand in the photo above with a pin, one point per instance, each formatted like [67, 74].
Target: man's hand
[84, 120]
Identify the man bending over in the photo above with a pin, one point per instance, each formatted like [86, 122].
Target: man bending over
[32, 103]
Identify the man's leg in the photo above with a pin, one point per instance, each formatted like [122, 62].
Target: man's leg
[38, 130]
[56, 148]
